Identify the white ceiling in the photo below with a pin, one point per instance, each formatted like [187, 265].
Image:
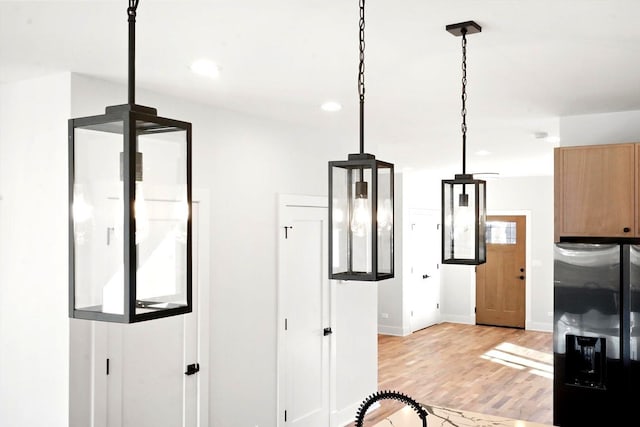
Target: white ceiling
[533, 62]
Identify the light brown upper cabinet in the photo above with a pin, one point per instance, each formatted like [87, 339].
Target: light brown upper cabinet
[595, 191]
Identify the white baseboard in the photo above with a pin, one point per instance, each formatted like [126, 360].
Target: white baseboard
[454, 318]
[539, 326]
[470, 320]
[396, 331]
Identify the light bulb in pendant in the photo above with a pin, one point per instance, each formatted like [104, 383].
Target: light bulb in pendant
[361, 217]
[141, 214]
[385, 216]
[464, 220]
[82, 211]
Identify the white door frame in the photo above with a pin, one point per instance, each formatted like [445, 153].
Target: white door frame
[201, 197]
[284, 201]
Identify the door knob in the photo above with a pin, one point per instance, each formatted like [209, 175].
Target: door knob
[327, 331]
[521, 277]
[425, 276]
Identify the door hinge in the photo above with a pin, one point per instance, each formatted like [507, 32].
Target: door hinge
[192, 369]
[475, 309]
[286, 324]
[285, 415]
[107, 366]
[438, 306]
[286, 230]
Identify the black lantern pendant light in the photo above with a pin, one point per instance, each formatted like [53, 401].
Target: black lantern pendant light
[464, 213]
[129, 211]
[361, 207]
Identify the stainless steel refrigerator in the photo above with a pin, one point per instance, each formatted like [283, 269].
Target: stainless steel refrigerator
[596, 332]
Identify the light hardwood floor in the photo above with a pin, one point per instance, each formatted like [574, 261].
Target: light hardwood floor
[490, 370]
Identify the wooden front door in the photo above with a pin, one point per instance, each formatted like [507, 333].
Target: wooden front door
[501, 281]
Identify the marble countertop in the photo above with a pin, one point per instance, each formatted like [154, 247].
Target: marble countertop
[445, 417]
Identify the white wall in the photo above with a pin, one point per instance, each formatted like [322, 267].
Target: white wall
[414, 190]
[533, 195]
[34, 323]
[243, 162]
[391, 291]
[606, 128]
[356, 347]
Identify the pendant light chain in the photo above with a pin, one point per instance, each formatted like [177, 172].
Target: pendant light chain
[464, 100]
[361, 76]
[131, 12]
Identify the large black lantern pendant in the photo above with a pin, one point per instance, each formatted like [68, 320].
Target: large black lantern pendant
[129, 216]
[361, 207]
[464, 211]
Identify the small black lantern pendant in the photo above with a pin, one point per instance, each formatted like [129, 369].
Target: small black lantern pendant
[464, 211]
[361, 219]
[361, 208]
[129, 212]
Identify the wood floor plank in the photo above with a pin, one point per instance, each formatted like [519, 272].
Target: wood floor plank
[491, 370]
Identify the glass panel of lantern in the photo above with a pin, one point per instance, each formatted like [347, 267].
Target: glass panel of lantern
[130, 225]
[361, 215]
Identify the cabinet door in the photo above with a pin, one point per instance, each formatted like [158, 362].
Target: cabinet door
[595, 191]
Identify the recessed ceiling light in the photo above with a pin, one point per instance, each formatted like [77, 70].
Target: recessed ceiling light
[331, 106]
[540, 135]
[206, 68]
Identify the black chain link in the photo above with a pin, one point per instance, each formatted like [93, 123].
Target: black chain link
[464, 80]
[361, 79]
[464, 99]
[133, 6]
[361, 66]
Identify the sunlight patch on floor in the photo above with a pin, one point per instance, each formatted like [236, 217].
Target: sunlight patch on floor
[518, 357]
[540, 356]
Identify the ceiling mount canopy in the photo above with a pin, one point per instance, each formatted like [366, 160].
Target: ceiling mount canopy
[361, 206]
[464, 213]
[129, 211]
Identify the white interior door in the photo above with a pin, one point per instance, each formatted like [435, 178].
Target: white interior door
[304, 313]
[424, 279]
[146, 384]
